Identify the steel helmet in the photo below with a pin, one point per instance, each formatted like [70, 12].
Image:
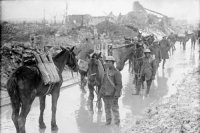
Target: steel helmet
[147, 51]
[111, 58]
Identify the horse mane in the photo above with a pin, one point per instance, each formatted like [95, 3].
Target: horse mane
[59, 54]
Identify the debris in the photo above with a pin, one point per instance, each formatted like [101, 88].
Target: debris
[175, 114]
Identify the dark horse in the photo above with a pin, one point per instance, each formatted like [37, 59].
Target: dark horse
[26, 83]
[95, 76]
[138, 61]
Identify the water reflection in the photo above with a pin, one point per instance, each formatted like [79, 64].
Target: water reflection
[83, 118]
[42, 130]
[169, 71]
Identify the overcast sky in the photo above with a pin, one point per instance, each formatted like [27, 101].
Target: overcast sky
[34, 9]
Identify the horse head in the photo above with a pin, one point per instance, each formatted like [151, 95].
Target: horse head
[122, 55]
[71, 58]
[95, 70]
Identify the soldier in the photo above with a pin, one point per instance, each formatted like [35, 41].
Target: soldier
[198, 38]
[193, 40]
[111, 90]
[172, 40]
[164, 47]
[155, 50]
[148, 70]
[139, 36]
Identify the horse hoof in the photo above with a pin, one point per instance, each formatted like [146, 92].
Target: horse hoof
[42, 126]
[54, 127]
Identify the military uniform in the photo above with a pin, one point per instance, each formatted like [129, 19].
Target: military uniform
[149, 67]
[172, 40]
[111, 91]
[155, 49]
[147, 73]
[164, 47]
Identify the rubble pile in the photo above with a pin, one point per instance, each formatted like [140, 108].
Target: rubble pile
[115, 31]
[73, 37]
[178, 113]
[9, 62]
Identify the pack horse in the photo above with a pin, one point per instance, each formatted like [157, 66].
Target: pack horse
[26, 83]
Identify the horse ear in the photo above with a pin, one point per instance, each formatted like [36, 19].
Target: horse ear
[62, 47]
[72, 48]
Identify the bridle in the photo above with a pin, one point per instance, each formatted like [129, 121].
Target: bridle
[71, 58]
[93, 75]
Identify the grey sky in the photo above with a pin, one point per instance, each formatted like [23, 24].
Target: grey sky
[33, 9]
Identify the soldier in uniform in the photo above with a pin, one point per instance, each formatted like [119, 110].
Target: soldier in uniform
[164, 47]
[155, 50]
[172, 40]
[111, 90]
[148, 70]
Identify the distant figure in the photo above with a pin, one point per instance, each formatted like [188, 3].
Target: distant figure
[172, 40]
[193, 40]
[155, 50]
[198, 36]
[164, 47]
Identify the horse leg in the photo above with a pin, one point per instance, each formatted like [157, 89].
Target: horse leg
[83, 83]
[15, 115]
[184, 43]
[164, 63]
[55, 96]
[42, 107]
[26, 106]
[99, 105]
[137, 85]
[91, 97]
[132, 70]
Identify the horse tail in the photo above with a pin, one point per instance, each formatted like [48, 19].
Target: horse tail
[13, 91]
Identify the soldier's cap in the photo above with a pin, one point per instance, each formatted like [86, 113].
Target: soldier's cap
[147, 51]
[110, 58]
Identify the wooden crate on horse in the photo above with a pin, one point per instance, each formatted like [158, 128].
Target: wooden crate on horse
[43, 71]
[83, 65]
[47, 68]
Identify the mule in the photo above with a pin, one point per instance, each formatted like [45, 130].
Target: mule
[25, 84]
[95, 76]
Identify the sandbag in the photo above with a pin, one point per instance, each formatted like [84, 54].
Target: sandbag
[45, 75]
[53, 68]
